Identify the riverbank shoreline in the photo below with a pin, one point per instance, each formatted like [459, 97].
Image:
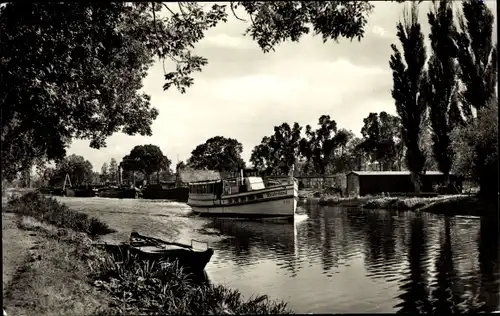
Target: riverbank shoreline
[101, 283]
[461, 204]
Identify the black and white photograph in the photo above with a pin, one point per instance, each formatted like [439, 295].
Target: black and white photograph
[249, 158]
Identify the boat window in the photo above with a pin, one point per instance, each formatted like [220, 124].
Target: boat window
[260, 196]
[251, 197]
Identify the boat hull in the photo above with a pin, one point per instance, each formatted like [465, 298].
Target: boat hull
[284, 207]
[191, 260]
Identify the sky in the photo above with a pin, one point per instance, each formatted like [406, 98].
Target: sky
[243, 93]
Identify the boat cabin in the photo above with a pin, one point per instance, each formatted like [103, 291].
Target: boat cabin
[227, 186]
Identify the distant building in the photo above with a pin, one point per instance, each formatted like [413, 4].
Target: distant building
[186, 176]
[376, 182]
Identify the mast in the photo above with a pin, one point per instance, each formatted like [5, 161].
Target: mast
[68, 180]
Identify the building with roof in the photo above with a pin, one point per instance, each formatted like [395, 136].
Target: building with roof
[361, 183]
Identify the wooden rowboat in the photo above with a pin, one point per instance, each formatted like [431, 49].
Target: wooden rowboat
[149, 248]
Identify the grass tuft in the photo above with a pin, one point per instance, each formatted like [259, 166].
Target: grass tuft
[48, 210]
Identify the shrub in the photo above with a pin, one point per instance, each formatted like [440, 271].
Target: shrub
[161, 287]
[50, 211]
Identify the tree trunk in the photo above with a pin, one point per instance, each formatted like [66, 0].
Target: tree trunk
[446, 180]
[417, 182]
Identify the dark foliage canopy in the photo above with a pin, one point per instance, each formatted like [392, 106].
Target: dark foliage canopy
[219, 154]
[145, 159]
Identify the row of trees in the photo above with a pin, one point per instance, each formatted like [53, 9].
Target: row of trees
[329, 149]
[453, 89]
[143, 161]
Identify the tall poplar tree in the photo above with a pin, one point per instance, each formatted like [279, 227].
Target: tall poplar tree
[441, 86]
[408, 76]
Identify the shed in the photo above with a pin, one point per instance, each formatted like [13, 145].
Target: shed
[376, 182]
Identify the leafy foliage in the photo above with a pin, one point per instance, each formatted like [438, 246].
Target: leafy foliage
[476, 148]
[104, 176]
[217, 153]
[381, 138]
[180, 166]
[278, 153]
[441, 85]
[78, 169]
[408, 74]
[113, 171]
[477, 56]
[319, 144]
[78, 76]
[476, 145]
[278, 21]
[145, 159]
[345, 152]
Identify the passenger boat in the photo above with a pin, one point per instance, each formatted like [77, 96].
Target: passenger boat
[244, 196]
[149, 248]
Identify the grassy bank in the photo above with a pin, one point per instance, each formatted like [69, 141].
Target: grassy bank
[96, 282]
[407, 203]
[463, 205]
[329, 197]
[445, 204]
[52, 277]
[469, 205]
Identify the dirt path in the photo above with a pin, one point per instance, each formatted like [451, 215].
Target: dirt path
[16, 244]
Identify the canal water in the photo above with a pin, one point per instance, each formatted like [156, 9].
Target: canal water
[334, 260]
[339, 260]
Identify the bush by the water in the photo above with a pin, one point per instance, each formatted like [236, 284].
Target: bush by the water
[50, 211]
[163, 288]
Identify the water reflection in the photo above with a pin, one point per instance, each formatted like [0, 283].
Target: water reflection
[350, 260]
[414, 289]
[253, 241]
[446, 289]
